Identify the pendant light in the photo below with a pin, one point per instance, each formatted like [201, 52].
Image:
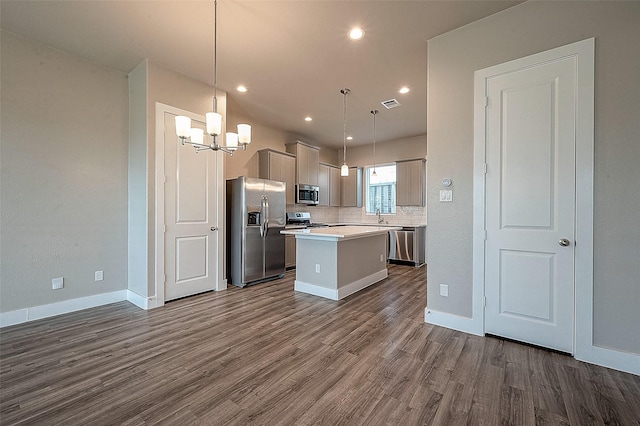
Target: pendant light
[374, 113]
[195, 137]
[344, 170]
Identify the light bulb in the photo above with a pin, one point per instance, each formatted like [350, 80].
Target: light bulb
[214, 123]
[232, 141]
[197, 136]
[244, 134]
[344, 170]
[183, 126]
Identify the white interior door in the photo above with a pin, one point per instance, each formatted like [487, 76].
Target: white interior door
[530, 203]
[190, 216]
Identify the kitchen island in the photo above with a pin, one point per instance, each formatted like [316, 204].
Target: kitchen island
[334, 262]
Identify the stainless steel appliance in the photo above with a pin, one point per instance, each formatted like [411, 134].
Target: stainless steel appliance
[255, 217]
[307, 194]
[408, 245]
[301, 220]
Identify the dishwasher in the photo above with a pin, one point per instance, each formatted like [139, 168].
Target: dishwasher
[407, 246]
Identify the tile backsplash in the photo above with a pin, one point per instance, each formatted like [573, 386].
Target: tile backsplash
[405, 215]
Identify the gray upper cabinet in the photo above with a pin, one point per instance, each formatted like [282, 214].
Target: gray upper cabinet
[410, 182]
[351, 188]
[307, 162]
[329, 183]
[280, 166]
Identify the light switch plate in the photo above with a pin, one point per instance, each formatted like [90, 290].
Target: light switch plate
[446, 195]
[444, 290]
[57, 283]
[99, 276]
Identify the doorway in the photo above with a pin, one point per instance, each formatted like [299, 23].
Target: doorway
[189, 206]
[534, 186]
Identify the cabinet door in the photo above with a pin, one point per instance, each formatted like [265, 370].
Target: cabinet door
[323, 184]
[289, 251]
[410, 183]
[288, 173]
[416, 180]
[313, 161]
[334, 187]
[351, 188]
[275, 166]
[402, 184]
[302, 161]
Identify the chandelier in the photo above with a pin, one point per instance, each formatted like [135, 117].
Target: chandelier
[195, 136]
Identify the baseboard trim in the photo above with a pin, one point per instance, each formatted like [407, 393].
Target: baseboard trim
[142, 302]
[20, 316]
[455, 322]
[610, 358]
[605, 357]
[342, 292]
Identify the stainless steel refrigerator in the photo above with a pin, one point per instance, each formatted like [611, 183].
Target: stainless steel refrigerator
[255, 217]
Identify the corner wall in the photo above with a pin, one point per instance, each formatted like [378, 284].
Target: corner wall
[64, 178]
[522, 30]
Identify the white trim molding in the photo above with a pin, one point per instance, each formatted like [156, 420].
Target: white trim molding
[341, 292]
[58, 308]
[455, 322]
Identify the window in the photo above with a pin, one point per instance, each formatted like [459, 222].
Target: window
[380, 190]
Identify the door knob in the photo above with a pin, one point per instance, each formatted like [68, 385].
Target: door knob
[214, 228]
[564, 242]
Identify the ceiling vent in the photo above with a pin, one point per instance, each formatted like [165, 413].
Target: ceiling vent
[391, 103]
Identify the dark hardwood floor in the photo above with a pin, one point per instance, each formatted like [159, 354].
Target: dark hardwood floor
[266, 355]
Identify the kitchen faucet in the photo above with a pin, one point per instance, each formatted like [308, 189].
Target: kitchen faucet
[378, 213]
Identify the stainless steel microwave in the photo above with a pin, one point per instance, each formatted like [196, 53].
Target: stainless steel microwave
[307, 194]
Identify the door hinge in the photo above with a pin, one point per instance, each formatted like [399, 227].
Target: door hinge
[484, 302]
[486, 101]
[484, 236]
[484, 168]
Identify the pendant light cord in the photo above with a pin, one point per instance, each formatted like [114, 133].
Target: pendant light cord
[215, 55]
[374, 113]
[345, 92]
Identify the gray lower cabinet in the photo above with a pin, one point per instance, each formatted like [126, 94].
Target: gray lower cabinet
[289, 251]
[351, 188]
[280, 166]
[410, 182]
[329, 183]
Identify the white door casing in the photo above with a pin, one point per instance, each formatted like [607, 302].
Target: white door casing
[530, 203]
[533, 174]
[189, 205]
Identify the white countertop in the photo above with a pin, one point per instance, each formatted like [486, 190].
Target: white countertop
[340, 232]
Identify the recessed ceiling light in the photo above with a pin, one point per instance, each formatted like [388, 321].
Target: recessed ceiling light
[308, 119]
[356, 33]
[241, 88]
[349, 138]
[404, 89]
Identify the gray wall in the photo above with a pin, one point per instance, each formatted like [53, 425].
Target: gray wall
[149, 84]
[64, 176]
[516, 32]
[386, 152]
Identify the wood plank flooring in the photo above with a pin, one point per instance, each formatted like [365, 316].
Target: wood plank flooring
[266, 355]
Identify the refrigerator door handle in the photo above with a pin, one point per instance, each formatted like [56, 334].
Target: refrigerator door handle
[266, 211]
[262, 217]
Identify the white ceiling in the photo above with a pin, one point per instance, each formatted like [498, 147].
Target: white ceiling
[294, 56]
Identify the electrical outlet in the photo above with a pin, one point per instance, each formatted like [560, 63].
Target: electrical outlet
[57, 283]
[317, 268]
[382, 258]
[99, 275]
[444, 290]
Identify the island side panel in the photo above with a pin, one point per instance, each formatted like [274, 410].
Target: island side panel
[310, 253]
[360, 264]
